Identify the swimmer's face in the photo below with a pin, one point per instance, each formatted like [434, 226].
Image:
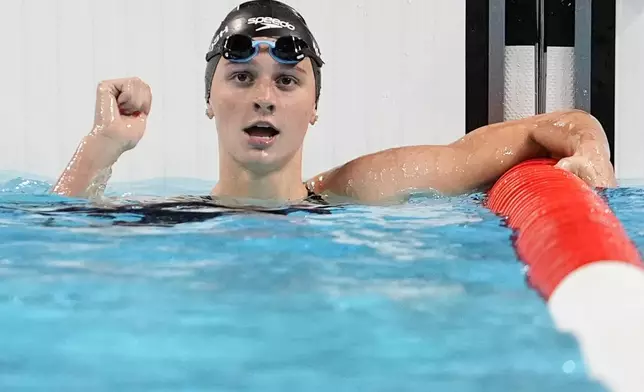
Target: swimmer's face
[262, 90]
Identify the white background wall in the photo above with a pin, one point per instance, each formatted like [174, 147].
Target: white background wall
[395, 75]
[377, 93]
[629, 124]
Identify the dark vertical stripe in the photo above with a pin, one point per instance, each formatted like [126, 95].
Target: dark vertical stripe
[557, 28]
[521, 23]
[496, 63]
[583, 39]
[476, 63]
[602, 94]
[541, 59]
[522, 28]
[560, 23]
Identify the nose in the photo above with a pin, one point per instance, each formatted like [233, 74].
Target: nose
[264, 106]
[264, 102]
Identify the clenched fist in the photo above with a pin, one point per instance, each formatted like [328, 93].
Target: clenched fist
[122, 109]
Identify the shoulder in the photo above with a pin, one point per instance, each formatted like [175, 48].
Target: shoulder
[370, 177]
[341, 175]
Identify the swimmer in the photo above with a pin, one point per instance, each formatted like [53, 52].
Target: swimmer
[262, 85]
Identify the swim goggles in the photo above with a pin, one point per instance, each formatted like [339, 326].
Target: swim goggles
[288, 49]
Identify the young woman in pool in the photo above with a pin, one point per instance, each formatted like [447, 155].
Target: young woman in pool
[262, 86]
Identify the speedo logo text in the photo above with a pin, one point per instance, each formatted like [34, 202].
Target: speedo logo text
[268, 22]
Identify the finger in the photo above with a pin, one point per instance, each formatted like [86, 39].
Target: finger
[147, 101]
[606, 178]
[125, 102]
[129, 108]
[106, 109]
[143, 94]
[135, 97]
[581, 168]
[565, 164]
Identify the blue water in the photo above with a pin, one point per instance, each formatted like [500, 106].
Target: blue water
[424, 296]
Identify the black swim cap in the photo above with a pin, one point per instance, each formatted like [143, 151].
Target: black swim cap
[262, 18]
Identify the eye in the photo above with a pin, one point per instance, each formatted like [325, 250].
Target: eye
[242, 77]
[287, 81]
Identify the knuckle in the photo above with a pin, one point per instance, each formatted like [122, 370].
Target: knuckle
[103, 86]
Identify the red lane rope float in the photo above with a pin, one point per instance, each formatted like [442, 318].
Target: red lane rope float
[561, 223]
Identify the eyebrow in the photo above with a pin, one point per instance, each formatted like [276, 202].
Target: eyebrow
[230, 64]
[295, 67]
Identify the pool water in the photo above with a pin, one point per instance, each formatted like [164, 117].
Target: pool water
[423, 296]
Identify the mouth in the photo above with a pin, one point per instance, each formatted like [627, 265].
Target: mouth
[261, 133]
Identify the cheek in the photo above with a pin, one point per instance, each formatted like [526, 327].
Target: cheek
[223, 102]
[226, 109]
[307, 114]
[302, 110]
[299, 121]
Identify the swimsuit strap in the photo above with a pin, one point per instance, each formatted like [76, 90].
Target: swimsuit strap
[313, 197]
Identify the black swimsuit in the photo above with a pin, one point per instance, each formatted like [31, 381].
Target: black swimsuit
[169, 213]
[313, 197]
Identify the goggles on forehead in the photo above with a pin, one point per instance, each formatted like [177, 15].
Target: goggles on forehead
[241, 48]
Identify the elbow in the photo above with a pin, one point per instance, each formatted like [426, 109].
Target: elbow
[582, 118]
[572, 122]
[570, 116]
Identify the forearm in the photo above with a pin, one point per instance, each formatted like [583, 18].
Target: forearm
[88, 171]
[494, 149]
[470, 163]
[486, 153]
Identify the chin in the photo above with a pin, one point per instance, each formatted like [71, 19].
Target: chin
[266, 161]
[260, 161]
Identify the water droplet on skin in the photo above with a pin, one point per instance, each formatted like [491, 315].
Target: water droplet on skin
[349, 188]
[406, 172]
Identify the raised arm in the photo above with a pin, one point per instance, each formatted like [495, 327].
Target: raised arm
[477, 159]
[122, 109]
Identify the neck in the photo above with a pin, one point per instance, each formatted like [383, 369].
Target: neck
[283, 184]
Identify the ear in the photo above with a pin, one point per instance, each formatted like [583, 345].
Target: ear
[209, 111]
[314, 117]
